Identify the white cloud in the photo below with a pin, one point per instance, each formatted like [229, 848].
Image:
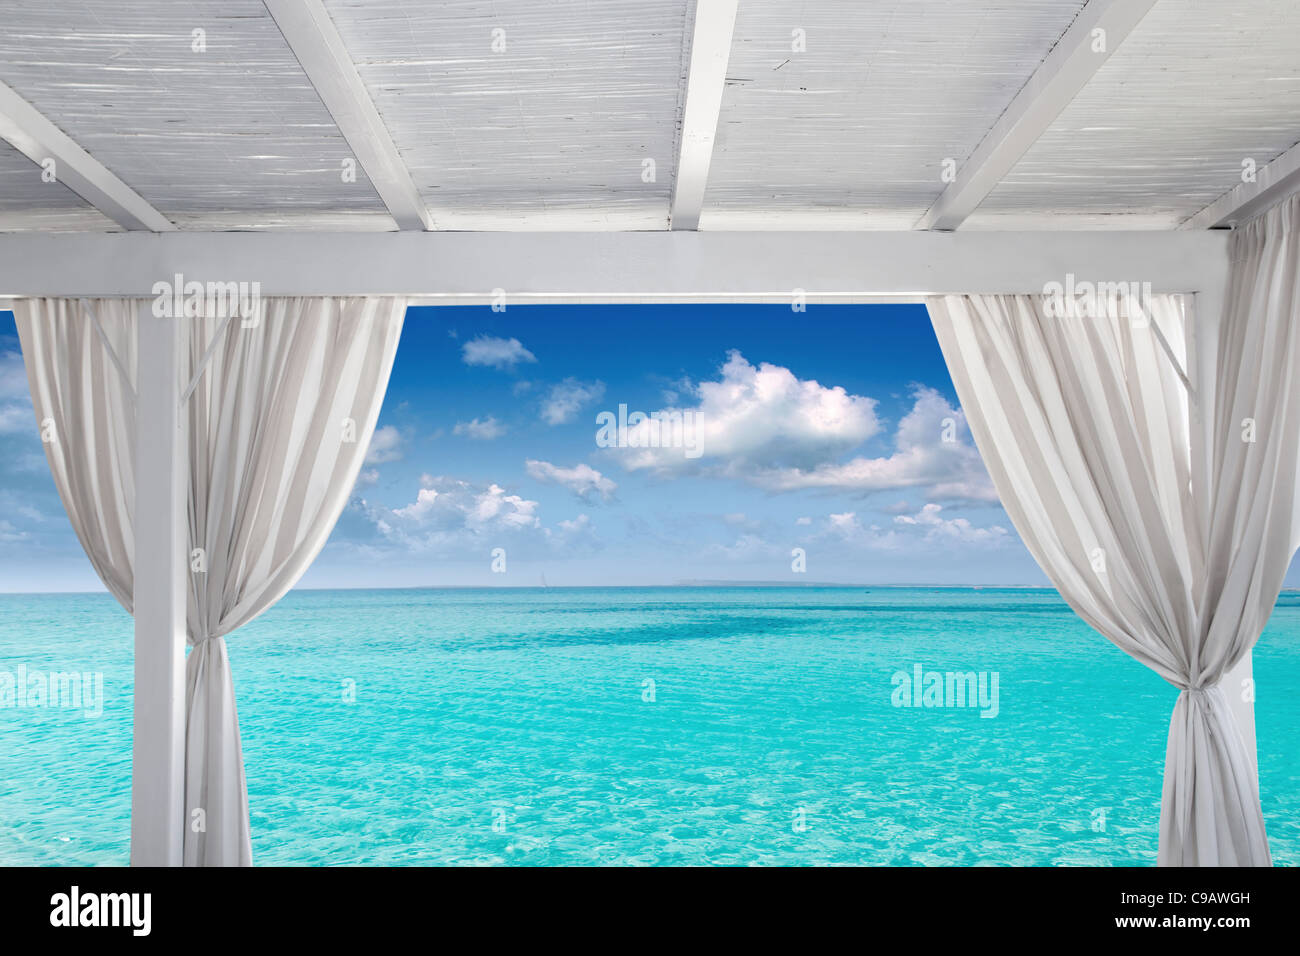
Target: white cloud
[845, 533]
[495, 352]
[385, 445]
[577, 525]
[583, 480]
[420, 509]
[485, 429]
[495, 507]
[939, 528]
[919, 533]
[446, 504]
[747, 547]
[577, 535]
[566, 399]
[771, 429]
[368, 476]
[761, 417]
[922, 459]
[457, 519]
[844, 524]
[846, 527]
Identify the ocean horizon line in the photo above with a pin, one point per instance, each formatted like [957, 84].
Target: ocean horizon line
[717, 585]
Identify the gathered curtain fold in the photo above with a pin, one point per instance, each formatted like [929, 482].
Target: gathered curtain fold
[283, 405]
[1169, 540]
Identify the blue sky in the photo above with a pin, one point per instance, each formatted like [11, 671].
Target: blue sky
[834, 431]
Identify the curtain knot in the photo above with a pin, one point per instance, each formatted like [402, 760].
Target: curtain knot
[1207, 698]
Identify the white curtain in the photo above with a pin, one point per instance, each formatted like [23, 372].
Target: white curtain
[85, 410]
[1083, 422]
[282, 411]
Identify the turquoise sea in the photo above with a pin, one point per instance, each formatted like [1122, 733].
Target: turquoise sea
[484, 726]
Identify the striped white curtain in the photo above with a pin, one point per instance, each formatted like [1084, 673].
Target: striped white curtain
[1083, 423]
[80, 359]
[281, 408]
[279, 422]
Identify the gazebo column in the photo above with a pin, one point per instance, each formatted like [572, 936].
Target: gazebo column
[161, 469]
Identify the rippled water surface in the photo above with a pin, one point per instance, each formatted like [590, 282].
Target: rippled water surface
[646, 726]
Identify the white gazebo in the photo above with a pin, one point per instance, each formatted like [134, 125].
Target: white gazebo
[346, 158]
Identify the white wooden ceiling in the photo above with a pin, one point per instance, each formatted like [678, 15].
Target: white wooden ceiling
[27, 203]
[854, 129]
[568, 114]
[544, 124]
[1198, 88]
[228, 138]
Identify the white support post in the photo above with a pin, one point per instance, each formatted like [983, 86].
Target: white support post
[158, 744]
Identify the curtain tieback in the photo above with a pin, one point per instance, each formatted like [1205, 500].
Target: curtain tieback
[1204, 694]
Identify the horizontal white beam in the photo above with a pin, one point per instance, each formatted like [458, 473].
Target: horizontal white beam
[1077, 56]
[1272, 183]
[614, 267]
[316, 43]
[715, 20]
[32, 134]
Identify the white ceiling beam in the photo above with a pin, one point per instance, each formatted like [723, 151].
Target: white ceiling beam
[615, 267]
[32, 134]
[1272, 183]
[316, 43]
[1066, 70]
[715, 21]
